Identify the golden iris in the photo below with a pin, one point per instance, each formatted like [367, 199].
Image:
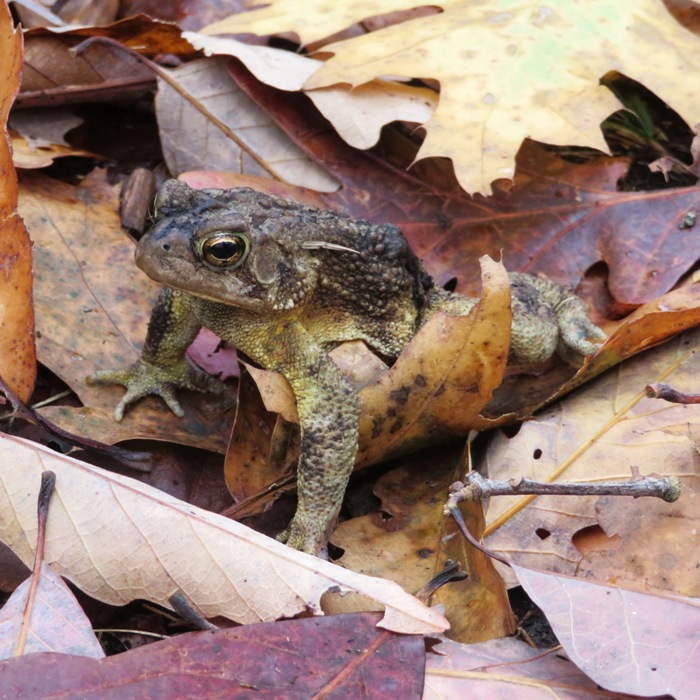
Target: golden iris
[224, 249]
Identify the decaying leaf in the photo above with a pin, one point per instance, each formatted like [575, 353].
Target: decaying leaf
[42, 614]
[118, 540]
[409, 539]
[140, 33]
[502, 669]
[17, 354]
[52, 74]
[261, 449]
[626, 641]
[343, 656]
[647, 326]
[414, 401]
[600, 433]
[92, 306]
[561, 218]
[58, 623]
[358, 113]
[207, 123]
[505, 71]
[28, 156]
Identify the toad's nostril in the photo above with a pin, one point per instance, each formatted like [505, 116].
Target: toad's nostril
[166, 246]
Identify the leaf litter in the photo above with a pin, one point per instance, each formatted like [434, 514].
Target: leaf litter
[604, 539]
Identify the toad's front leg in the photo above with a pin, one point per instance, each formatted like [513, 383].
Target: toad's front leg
[163, 366]
[329, 411]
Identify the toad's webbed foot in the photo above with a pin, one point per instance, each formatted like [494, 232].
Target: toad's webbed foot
[549, 319]
[143, 379]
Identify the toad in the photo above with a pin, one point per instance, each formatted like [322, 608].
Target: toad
[283, 283]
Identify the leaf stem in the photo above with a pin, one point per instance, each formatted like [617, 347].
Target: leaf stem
[48, 482]
[477, 487]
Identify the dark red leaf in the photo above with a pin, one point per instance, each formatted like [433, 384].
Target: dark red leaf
[344, 656]
[560, 218]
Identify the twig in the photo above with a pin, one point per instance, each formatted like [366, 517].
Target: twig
[477, 487]
[667, 393]
[48, 481]
[182, 606]
[449, 574]
[39, 404]
[116, 630]
[136, 460]
[453, 509]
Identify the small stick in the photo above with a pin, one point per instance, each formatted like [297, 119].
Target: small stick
[668, 393]
[453, 509]
[182, 606]
[140, 461]
[477, 487]
[449, 574]
[48, 482]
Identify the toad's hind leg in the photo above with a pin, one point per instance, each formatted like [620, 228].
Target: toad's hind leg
[549, 318]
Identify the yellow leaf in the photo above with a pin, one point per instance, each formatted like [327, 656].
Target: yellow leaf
[507, 69]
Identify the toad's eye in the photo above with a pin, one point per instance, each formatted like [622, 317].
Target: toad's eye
[225, 249]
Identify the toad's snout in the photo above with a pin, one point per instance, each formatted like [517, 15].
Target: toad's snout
[163, 252]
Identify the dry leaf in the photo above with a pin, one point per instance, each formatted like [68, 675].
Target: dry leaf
[207, 123]
[409, 539]
[143, 34]
[626, 641]
[261, 449]
[24, 155]
[58, 623]
[44, 127]
[33, 13]
[600, 433]
[12, 570]
[649, 325]
[358, 113]
[413, 403]
[52, 73]
[280, 69]
[118, 540]
[89, 13]
[560, 219]
[92, 306]
[344, 656]
[506, 71]
[17, 353]
[502, 669]
[38, 137]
